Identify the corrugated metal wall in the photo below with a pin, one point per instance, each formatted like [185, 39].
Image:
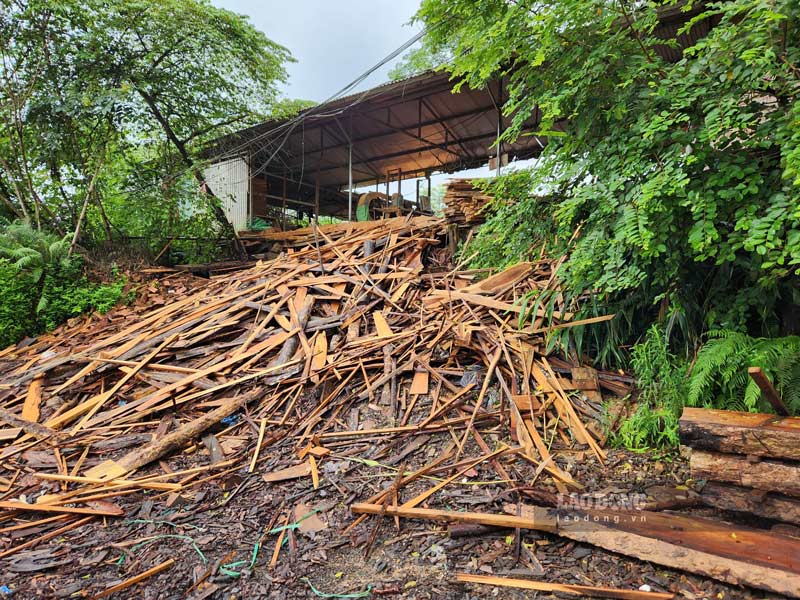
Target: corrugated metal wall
[230, 181]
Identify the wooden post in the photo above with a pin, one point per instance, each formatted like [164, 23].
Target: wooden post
[768, 390]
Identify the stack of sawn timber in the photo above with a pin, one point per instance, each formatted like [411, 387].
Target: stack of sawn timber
[751, 462]
[464, 203]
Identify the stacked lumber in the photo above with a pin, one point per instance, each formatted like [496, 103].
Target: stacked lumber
[464, 203]
[751, 462]
[272, 369]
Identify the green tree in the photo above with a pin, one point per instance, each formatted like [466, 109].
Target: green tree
[430, 55]
[88, 87]
[682, 176]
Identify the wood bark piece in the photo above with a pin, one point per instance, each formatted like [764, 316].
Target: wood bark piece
[766, 475]
[741, 433]
[564, 588]
[29, 427]
[47, 536]
[741, 499]
[178, 438]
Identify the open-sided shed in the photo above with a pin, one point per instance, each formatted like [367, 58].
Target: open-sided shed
[399, 130]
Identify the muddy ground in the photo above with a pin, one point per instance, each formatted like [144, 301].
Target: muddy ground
[218, 535]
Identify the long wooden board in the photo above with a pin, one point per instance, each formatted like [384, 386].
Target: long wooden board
[580, 591]
[735, 555]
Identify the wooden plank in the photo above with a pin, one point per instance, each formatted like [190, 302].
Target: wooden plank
[382, 325]
[319, 358]
[105, 396]
[259, 441]
[448, 516]
[124, 585]
[419, 385]
[30, 410]
[732, 432]
[50, 508]
[502, 281]
[766, 475]
[301, 470]
[142, 484]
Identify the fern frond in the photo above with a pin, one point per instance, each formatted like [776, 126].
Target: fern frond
[719, 377]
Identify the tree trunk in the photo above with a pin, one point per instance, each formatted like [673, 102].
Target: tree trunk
[219, 214]
[103, 215]
[86, 198]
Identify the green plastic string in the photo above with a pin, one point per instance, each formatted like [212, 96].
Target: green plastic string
[231, 569]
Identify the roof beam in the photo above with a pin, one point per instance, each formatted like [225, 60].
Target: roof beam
[443, 123]
[473, 138]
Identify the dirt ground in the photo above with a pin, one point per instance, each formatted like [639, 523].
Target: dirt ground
[221, 536]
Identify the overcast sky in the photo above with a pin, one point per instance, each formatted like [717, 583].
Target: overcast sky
[333, 42]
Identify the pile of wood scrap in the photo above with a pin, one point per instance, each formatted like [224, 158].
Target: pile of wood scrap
[348, 348]
[750, 461]
[345, 345]
[464, 203]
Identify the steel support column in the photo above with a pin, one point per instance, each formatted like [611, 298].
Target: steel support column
[350, 169]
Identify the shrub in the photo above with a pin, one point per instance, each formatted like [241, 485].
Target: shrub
[41, 287]
[662, 384]
[15, 297]
[719, 377]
